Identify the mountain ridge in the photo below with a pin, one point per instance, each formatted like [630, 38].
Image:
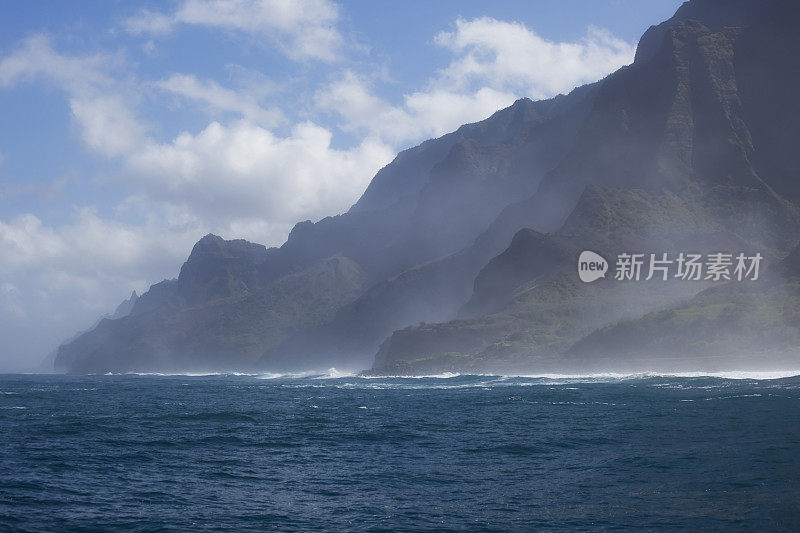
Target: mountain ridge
[673, 169]
[475, 234]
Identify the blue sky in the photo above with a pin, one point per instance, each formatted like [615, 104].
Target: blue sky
[134, 128]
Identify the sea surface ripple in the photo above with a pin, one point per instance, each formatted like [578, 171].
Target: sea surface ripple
[334, 452]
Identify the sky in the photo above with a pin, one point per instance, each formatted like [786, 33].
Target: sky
[132, 129]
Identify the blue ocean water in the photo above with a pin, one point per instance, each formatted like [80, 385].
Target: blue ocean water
[483, 453]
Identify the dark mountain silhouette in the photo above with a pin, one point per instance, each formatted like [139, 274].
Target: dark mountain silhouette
[186, 323]
[665, 161]
[461, 253]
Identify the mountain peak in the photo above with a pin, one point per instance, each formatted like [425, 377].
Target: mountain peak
[124, 309]
[215, 246]
[714, 14]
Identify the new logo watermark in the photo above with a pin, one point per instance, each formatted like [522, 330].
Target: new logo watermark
[684, 266]
[591, 266]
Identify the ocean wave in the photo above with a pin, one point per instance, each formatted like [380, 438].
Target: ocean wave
[755, 375]
[451, 380]
[553, 378]
[599, 376]
[331, 373]
[443, 375]
[737, 374]
[180, 374]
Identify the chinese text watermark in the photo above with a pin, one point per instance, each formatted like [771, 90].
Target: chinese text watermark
[719, 266]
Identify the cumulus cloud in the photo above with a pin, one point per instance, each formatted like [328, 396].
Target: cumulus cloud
[422, 114]
[507, 54]
[99, 101]
[226, 174]
[245, 171]
[109, 126]
[81, 244]
[302, 29]
[494, 63]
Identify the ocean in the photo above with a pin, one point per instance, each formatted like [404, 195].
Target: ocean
[334, 452]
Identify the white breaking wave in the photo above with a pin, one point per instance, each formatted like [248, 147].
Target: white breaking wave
[743, 374]
[443, 375]
[333, 373]
[614, 376]
[179, 374]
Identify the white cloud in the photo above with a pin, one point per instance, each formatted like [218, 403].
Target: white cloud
[220, 99]
[448, 110]
[88, 244]
[108, 125]
[509, 55]
[302, 29]
[36, 58]
[495, 62]
[244, 171]
[56, 280]
[240, 174]
[100, 103]
[423, 114]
